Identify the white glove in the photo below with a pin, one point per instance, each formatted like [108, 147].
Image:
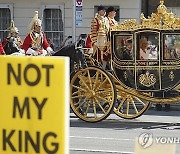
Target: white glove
[22, 51]
[32, 52]
[50, 50]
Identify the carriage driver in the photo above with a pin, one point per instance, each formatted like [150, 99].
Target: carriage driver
[35, 42]
[111, 13]
[99, 36]
[14, 38]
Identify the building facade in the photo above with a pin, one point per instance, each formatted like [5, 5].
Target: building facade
[57, 15]
[150, 6]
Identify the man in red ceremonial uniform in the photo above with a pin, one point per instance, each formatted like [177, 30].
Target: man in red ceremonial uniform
[111, 13]
[99, 36]
[35, 42]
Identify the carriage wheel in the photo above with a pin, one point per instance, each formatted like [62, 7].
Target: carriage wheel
[129, 106]
[92, 94]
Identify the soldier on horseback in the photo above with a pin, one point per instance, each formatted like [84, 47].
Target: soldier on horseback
[13, 42]
[35, 42]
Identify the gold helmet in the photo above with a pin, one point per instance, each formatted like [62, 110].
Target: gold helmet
[35, 21]
[12, 28]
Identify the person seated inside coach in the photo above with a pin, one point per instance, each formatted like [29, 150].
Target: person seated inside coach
[147, 50]
[177, 50]
[128, 52]
[144, 52]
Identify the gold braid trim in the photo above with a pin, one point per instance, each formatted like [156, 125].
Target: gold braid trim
[35, 41]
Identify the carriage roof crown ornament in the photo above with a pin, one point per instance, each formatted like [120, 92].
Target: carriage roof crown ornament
[161, 8]
[162, 20]
[35, 21]
[12, 28]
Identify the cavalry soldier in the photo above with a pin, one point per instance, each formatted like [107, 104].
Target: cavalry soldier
[14, 39]
[99, 36]
[35, 42]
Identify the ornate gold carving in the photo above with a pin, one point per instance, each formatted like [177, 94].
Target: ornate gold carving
[115, 60]
[147, 79]
[170, 67]
[148, 68]
[153, 63]
[125, 75]
[127, 25]
[171, 63]
[123, 67]
[171, 76]
[160, 20]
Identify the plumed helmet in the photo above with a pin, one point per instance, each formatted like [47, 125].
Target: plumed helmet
[12, 28]
[101, 7]
[35, 21]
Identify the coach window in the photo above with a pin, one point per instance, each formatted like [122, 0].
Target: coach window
[6, 11]
[53, 18]
[171, 46]
[147, 45]
[123, 47]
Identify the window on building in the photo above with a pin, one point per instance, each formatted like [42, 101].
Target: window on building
[5, 19]
[54, 25]
[175, 10]
[117, 11]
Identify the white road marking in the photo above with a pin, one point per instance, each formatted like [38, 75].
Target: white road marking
[103, 151]
[102, 138]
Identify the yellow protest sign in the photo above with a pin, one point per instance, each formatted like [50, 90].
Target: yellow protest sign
[34, 105]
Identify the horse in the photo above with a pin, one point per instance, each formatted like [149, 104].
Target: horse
[11, 47]
[75, 53]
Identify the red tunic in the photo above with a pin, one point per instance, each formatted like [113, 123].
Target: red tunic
[88, 42]
[28, 42]
[1, 49]
[96, 24]
[5, 41]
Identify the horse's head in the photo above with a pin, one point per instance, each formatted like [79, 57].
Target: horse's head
[11, 46]
[75, 54]
[81, 42]
[68, 50]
